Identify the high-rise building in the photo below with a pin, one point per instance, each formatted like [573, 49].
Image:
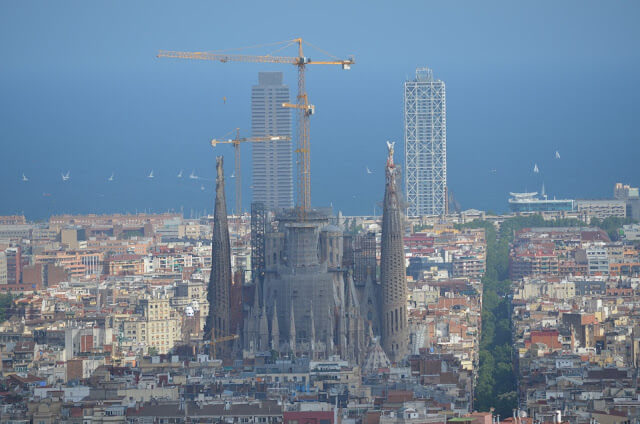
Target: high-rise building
[14, 264]
[272, 160]
[219, 290]
[425, 145]
[393, 276]
[631, 197]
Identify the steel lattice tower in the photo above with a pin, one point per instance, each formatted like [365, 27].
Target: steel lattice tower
[425, 144]
[393, 277]
[258, 229]
[219, 290]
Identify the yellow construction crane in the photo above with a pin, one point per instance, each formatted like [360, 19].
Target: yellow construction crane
[305, 110]
[238, 169]
[214, 341]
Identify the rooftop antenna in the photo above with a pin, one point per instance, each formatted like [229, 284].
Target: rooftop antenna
[424, 74]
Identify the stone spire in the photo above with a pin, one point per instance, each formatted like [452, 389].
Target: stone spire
[275, 330]
[393, 279]
[312, 335]
[264, 330]
[342, 332]
[292, 333]
[329, 340]
[253, 324]
[219, 288]
[355, 325]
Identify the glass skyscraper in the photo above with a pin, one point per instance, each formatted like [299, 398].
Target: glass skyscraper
[425, 145]
[272, 160]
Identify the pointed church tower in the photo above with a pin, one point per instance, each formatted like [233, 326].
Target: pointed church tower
[275, 330]
[219, 289]
[312, 335]
[264, 330]
[355, 325]
[328, 344]
[252, 338]
[292, 333]
[393, 277]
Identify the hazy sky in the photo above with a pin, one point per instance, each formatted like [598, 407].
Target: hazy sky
[82, 91]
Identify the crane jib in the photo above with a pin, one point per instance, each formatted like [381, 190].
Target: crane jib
[303, 201]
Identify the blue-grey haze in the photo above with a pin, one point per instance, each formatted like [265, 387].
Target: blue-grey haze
[81, 90]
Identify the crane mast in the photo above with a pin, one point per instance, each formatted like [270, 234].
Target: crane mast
[213, 341]
[304, 109]
[235, 142]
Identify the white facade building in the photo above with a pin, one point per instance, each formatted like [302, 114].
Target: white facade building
[598, 260]
[602, 209]
[631, 233]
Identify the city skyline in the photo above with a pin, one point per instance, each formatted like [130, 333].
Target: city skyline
[383, 298]
[163, 113]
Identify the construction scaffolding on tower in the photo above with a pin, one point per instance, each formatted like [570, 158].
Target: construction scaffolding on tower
[364, 258]
[258, 230]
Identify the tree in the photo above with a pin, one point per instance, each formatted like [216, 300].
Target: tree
[506, 402]
[496, 376]
[6, 306]
[611, 225]
[495, 373]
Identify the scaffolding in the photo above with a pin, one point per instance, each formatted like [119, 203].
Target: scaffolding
[425, 143]
[258, 229]
[364, 258]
